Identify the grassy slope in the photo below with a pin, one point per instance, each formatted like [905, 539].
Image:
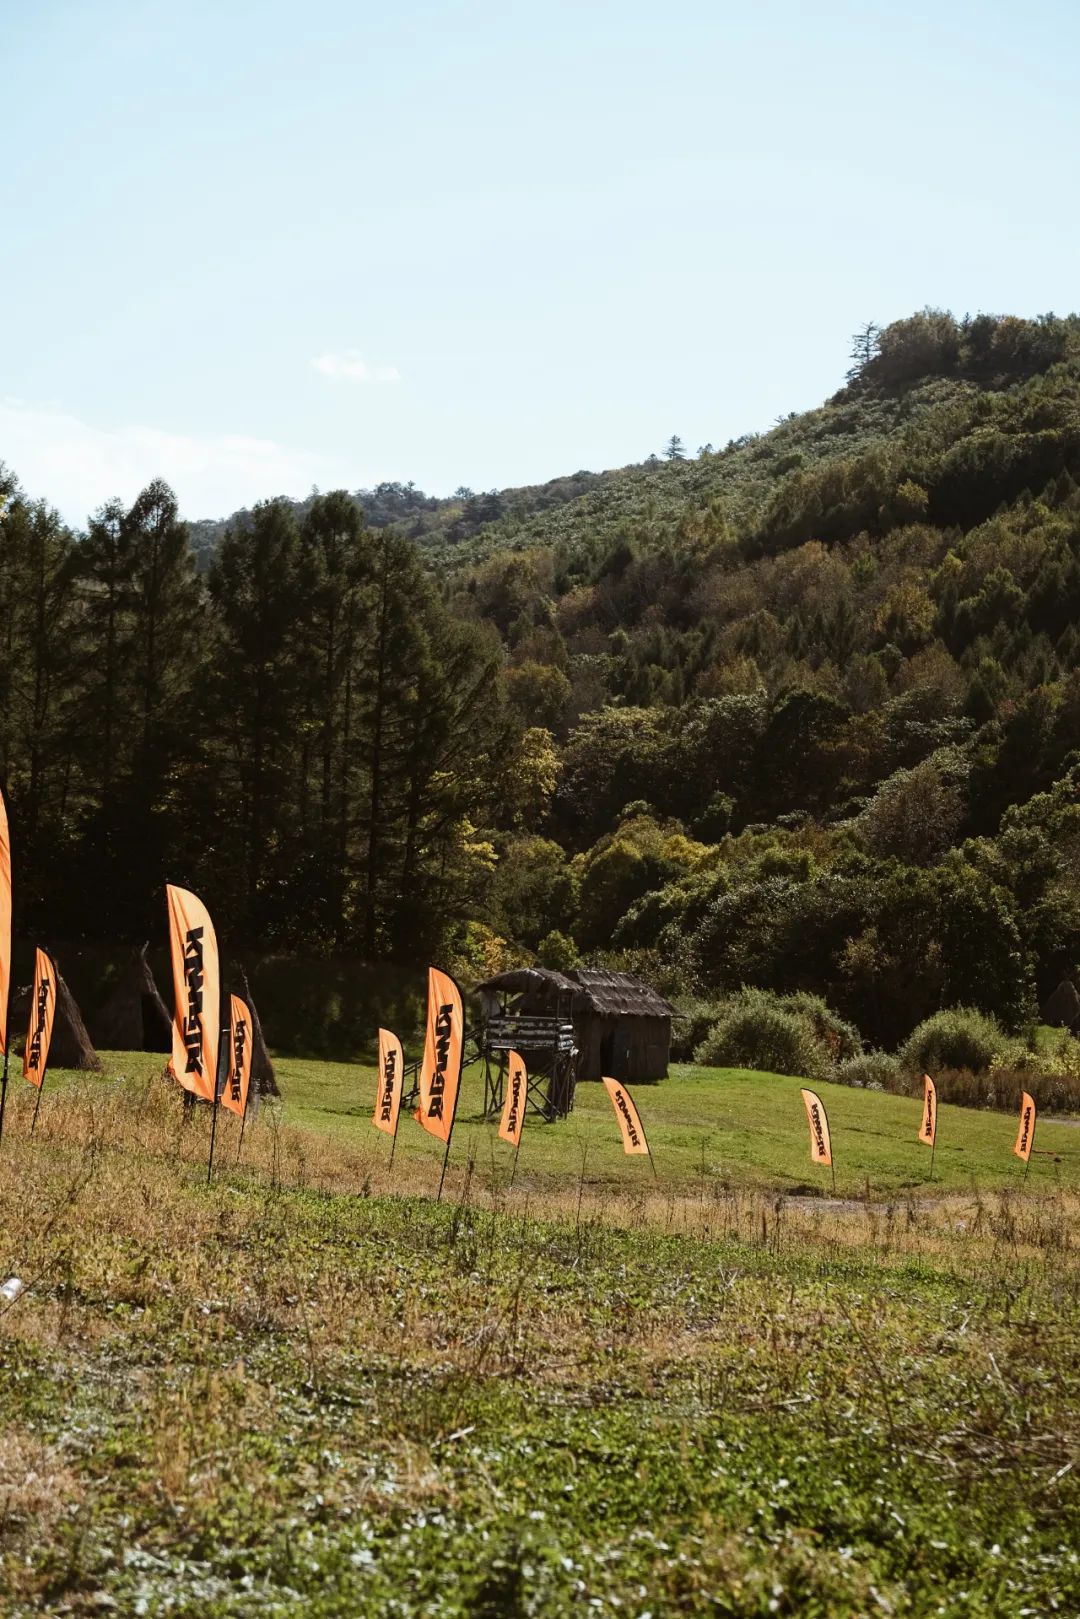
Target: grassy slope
[270, 1398]
[745, 1128]
[749, 1127]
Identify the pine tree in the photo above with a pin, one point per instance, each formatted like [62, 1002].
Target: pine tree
[258, 652]
[864, 346]
[105, 567]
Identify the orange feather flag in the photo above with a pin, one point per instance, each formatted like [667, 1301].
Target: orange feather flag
[391, 1080]
[197, 988]
[444, 1052]
[517, 1091]
[817, 1118]
[5, 924]
[928, 1123]
[633, 1133]
[235, 1094]
[1025, 1135]
[42, 1012]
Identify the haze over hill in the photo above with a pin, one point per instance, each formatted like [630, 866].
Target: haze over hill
[800, 712]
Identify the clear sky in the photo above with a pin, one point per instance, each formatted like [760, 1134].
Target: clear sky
[254, 246]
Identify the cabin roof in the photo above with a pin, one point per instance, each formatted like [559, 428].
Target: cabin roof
[594, 989]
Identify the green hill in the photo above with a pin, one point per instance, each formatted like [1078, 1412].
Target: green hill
[801, 713]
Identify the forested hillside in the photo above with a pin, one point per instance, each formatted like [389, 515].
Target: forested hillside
[800, 713]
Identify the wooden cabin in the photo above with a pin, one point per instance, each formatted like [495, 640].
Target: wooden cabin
[622, 1027]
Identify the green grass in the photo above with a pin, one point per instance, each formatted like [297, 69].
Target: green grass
[747, 1128]
[276, 1397]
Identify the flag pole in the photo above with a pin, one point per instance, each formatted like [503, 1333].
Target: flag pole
[446, 1157]
[223, 1043]
[933, 1150]
[243, 1125]
[648, 1149]
[213, 1133]
[10, 950]
[4, 1080]
[37, 1104]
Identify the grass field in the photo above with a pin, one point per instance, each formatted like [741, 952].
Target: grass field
[597, 1395]
[739, 1127]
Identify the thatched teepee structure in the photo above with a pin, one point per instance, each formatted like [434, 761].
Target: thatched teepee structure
[1063, 1008]
[134, 1017]
[71, 1045]
[263, 1081]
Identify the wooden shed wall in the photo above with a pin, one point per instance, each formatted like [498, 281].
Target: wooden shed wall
[622, 1047]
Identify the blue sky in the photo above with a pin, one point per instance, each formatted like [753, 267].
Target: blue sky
[256, 247]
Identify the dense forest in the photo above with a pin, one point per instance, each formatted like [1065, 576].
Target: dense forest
[802, 712]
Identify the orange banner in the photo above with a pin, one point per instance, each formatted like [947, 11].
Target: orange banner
[42, 1012]
[633, 1133]
[5, 923]
[391, 1080]
[235, 1094]
[444, 1052]
[928, 1124]
[1025, 1135]
[816, 1117]
[196, 985]
[517, 1091]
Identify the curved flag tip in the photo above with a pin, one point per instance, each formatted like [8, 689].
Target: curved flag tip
[818, 1120]
[634, 1139]
[517, 1092]
[444, 1053]
[928, 1121]
[197, 990]
[238, 1080]
[391, 1083]
[1025, 1135]
[42, 1014]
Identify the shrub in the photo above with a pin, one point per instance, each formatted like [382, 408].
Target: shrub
[871, 1071]
[958, 1038]
[1002, 1086]
[755, 1030]
[840, 1038]
[693, 1019]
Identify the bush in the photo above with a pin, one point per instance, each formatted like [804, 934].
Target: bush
[693, 1019]
[841, 1039]
[958, 1038]
[757, 1030]
[1002, 1086]
[871, 1071]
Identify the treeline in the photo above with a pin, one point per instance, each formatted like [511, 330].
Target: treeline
[817, 720]
[304, 732]
[802, 714]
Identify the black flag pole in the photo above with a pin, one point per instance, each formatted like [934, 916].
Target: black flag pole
[222, 1043]
[37, 1106]
[453, 1116]
[7, 1010]
[4, 1080]
[446, 1158]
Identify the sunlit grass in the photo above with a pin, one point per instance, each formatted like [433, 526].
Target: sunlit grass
[292, 1393]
